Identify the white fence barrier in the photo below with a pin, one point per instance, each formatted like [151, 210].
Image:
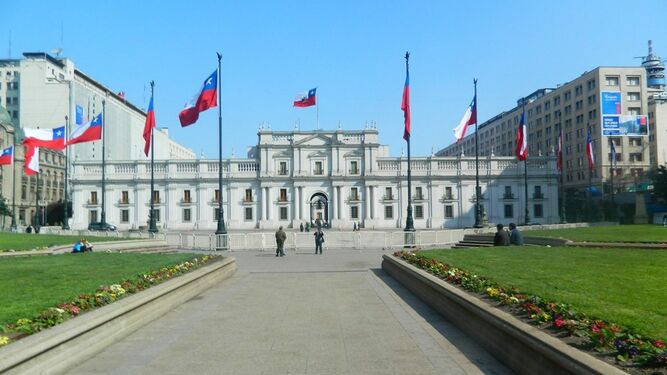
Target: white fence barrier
[305, 241]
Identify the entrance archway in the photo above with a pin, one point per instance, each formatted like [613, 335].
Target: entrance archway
[319, 209]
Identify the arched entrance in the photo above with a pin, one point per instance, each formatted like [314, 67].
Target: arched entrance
[319, 209]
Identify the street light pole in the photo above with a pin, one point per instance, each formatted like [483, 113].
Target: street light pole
[65, 200]
[221, 231]
[152, 227]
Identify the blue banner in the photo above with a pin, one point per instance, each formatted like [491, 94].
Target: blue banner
[633, 125]
[79, 115]
[611, 102]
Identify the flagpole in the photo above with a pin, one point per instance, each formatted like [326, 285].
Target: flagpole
[590, 175]
[104, 138]
[478, 189]
[152, 228]
[613, 172]
[525, 166]
[37, 199]
[221, 232]
[563, 219]
[65, 201]
[317, 111]
[13, 225]
[409, 222]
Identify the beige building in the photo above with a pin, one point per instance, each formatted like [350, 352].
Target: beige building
[575, 106]
[40, 91]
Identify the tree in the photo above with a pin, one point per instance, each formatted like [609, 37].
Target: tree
[660, 183]
[4, 209]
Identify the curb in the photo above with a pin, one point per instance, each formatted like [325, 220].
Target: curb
[520, 346]
[114, 246]
[61, 347]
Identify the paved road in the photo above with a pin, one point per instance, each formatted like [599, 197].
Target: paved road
[335, 313]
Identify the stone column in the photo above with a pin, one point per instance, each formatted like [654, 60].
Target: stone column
[367, 200]
[268, 203]
[334, 203]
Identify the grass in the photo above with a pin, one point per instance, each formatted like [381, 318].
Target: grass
[622, 286]
[25, 241]
[32, 284]
[614, 233]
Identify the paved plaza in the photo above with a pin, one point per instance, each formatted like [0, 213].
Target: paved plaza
[335, 313]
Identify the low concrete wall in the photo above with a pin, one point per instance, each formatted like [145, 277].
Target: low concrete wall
[520, 346]
[114, 246]
[66, 345]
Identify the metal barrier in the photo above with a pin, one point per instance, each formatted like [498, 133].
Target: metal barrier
[305, 242]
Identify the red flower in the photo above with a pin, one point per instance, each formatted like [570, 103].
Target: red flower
[659, 344]
[559, 323]
[595, 328]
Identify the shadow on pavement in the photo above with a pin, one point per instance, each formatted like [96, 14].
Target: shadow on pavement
[464, 343]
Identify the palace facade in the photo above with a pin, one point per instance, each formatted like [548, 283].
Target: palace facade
[292, 177]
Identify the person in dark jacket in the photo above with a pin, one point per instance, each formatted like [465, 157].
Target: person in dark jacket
[501, 238]
[281, 236]
[516, 238]
[319, 240]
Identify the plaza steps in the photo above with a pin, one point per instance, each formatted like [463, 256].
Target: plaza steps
[474, 240]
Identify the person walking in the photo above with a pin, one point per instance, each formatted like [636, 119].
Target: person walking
[301, 227]
[501, 238]
[516, 238]
[319, 240]
[281, 236]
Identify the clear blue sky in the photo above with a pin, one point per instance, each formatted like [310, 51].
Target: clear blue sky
[351, 50]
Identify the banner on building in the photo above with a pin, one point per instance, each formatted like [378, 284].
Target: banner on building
[631, 125]
[610, 102]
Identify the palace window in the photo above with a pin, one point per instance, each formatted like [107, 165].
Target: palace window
[509, 210]
[124, 197]
[419, 212]
[283, 213]
[282, 197]
[388, 194]
[354, 212]
[354, 167]
[449, 211]
[537, 210]
[187, 215]
[248, 214]
[186, 196]
[248, 195]
[282, 168]
[354, 194]
[216, 195]
[418, 193]
[318, 169]
[124, 216]
[156, 214]
[388, 212]
[156, 196]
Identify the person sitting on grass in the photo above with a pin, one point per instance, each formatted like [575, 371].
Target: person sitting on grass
[516, 238]
[87, 246]
[78, 247]
[501, 238]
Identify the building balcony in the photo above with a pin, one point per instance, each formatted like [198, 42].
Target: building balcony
[283, 172]
[390, 197]
[186, 201]
[124, 202]
[538, 195]
[92, 202]
[508, 196]
[353, 198]
[283, 200]
[418, 198]
[448, 197]
[353, 171]
[318, 172]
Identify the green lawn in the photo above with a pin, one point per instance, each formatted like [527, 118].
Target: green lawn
[624, 286]
[32, 284]
[25, 241]
[614, 233]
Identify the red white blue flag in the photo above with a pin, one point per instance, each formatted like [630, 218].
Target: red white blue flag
[47, 138]
[148, 127]
[7, 156]
[306, 100]
[589, 150]
[469, 118]
[31, 165]
[88, 132]
[405, 106]
[207, 98]
[613, 154]
[559, 151]
[522, 139]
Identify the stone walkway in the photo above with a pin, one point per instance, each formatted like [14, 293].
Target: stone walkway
[336, 313]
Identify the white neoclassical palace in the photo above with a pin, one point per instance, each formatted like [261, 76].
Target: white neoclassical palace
[340, 177]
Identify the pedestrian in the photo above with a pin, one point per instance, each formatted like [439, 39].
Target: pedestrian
[501, 238]
[307, 227]
[301, 227]
[664, 220]
[281, 236]
[319, 240]
[354, 228]
[516, 238]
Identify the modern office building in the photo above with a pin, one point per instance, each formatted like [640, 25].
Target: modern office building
[339, 177]
[39, 91]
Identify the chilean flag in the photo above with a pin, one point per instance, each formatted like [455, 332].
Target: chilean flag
[48, 138]
[405, 106]
[469, 118]
[522, 139]
[306, 100]
[589, 150]
[7, 156]
[31, 165]
[148, 127]
[91, 131]
[207, 98]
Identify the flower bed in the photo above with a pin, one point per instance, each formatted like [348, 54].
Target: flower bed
[103, 295]
[607, 338]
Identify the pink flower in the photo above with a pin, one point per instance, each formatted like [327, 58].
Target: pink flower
[659, 344]
[559, 323]
[595, 328]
